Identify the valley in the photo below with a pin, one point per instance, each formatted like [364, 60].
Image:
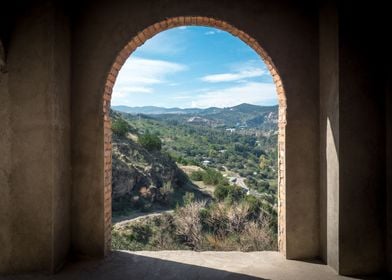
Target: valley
[171, 161]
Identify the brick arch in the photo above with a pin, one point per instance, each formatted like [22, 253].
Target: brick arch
[139, 40]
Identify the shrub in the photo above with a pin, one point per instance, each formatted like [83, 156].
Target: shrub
[254, 204]
[119, 241]
[237, 215]
[258, 236]
[231, 193]
[188, 198]
[212, 177]
[167, 192]
[140, 233]
[188, 224]
[216, 221]
[150, 141]
[197, 175]
[120, 127]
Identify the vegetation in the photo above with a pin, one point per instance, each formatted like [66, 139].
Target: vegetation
[150, 141]
[120, 127]
[197, 226]
[247, 152]
[231, 193]
[209, 176]
[238, 166]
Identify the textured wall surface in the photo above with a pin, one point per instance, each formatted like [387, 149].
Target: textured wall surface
[5, 168]
[58, 63]
[329, 135]
[388, 127]
[292, 46]
[361, 145]
[38, 191]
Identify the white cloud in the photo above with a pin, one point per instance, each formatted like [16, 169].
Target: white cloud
[182, 27]
[164, 43]
[229, 77]
[254, 93]
[213, 31]
[139, 75]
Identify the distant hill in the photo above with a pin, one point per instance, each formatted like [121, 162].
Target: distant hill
[240, 116]
[153, 110]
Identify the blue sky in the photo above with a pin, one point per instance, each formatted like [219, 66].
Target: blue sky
[194, 67]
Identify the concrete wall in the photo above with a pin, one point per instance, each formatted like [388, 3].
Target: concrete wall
[338, 133]
[352, 142]
[361, 144]
[329, 134]
[39, 168]
[388, 127]
[61, 137]
[289, 35]
[5, 166]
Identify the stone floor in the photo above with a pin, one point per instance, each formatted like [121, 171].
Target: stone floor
[188, 265]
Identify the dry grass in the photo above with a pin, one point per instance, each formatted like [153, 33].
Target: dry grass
[257, 236]
[188, 223]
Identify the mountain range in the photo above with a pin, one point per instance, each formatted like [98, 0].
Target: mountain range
[243, 115]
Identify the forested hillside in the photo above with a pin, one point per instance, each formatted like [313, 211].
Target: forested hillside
[219, 160]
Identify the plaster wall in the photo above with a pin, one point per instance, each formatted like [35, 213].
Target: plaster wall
[329, 135]
[361, 144]
[338, 132]
[287, 32]
[388, 126]
[5, 159]
[37, 195]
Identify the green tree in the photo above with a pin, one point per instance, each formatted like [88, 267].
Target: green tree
[120, 127]
[212, 177]
[150, 141]
[231, 193]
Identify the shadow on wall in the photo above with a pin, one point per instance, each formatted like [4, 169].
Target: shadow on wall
[125, 265]
[2, 58]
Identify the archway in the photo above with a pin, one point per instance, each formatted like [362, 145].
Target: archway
[111, 78]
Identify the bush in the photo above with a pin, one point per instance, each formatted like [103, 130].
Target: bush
[120, 127]
[212, 177]
[254, 204]
[140, 233]
[150, 142]
[215, 220]
[188, 198]
[262, 186]
[197, 175]
[188, 224]
[258, 236]
[167, 193]
[231, 193]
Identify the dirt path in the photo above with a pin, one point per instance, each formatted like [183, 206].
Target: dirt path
[134, 217]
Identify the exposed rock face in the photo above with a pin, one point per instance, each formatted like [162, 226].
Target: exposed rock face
[134, 168]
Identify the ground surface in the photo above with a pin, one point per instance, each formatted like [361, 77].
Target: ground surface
[136, 216]
[190, 265]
